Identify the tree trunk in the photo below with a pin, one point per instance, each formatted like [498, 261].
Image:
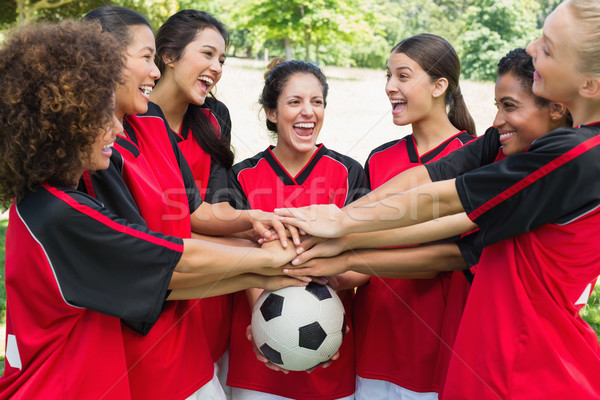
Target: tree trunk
[27, 10]
[306, 45]
[289, 52]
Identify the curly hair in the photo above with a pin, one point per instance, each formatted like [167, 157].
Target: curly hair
[520, 64]
[56, 98]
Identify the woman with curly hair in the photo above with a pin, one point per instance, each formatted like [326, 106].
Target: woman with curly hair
[74, 270]
[173, 361]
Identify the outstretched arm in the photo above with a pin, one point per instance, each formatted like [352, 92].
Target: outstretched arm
[421, 262]
[203, 262]
[425, 232]
[222, 219]
[402, 182]
[235, 284]
[418, 205]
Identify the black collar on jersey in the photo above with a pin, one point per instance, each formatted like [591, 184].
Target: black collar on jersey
[303, 175]
[130, 145]
[413, 156]
[184, 131]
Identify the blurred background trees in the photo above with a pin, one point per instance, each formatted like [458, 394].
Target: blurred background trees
[335, 32]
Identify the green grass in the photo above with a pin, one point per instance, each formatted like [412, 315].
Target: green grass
[3, 224]
[591, 312]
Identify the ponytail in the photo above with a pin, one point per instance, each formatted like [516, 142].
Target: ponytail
[458, 113]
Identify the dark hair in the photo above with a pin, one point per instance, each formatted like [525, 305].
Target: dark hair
[117, 21]
[520, 64]
[55, 104]
[438, 58]
[172, 37]
[277, 76]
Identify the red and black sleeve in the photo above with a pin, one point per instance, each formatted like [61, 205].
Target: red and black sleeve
[476, 153]
[555, 181]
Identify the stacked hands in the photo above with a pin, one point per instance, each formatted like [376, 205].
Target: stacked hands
[309, 229]
[321, 233]
[303, 259]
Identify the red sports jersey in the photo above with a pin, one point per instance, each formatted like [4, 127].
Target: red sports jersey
[211, 180]
[408, 316]
[521, 336]
[173, 360]
[72, 270]
[262, 183]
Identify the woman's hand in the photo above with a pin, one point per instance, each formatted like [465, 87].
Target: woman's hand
[323, 220]
[323, 248]
[259, 355]
[272, 283]
[308, 242]
[275, 367]
[327, 267]
[264, 224]
[280, 255]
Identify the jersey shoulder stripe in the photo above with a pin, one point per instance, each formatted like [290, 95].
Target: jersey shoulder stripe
[248, 163]
[461, 137]
[535, 176]
[383, 148]
[84, 209]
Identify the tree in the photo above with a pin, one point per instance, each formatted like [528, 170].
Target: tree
[27, 9]
[492, 28]
[311, 23]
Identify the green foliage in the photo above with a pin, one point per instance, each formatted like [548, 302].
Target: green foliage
[342, 32]
[312, 24]
[591, 312]
[8, 13]
[371, 54]
[493, 28]
[75, 10]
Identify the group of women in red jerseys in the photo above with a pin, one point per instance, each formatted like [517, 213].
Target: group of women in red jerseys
[435, 250]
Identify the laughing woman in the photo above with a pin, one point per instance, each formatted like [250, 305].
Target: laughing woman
[190, 53]
[296, 171]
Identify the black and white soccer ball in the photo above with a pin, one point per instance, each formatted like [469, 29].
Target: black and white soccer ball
[298, 328]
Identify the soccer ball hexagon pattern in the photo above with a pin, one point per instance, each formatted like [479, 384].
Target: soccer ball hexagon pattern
[298, 328]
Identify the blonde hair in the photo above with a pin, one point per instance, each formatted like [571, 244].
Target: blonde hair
[587, 14]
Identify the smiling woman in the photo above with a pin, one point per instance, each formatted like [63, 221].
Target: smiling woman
[296, 171]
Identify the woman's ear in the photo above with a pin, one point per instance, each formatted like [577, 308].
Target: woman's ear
[271, 115]
[590, 88]
[439, 87]
[557, 111]
[168, 59]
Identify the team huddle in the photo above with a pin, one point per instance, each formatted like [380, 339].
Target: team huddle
[136, 248]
